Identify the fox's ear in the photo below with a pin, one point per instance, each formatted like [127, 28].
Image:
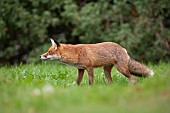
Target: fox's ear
[55, 44]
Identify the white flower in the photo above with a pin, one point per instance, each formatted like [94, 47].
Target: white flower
[36, 92]
[48, 89]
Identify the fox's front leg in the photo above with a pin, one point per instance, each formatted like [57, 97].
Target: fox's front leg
[107, 72]
[80, 76]
[90, 74]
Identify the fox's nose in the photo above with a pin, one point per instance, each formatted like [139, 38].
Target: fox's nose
[43, 57]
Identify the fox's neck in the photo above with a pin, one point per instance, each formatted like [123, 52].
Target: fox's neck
[69, 55]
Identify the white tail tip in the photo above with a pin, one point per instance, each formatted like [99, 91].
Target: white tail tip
[151, 73]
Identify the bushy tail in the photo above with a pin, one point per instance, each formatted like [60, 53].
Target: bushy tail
[139, 69]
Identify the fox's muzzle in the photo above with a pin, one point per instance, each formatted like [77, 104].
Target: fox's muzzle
[43, 57]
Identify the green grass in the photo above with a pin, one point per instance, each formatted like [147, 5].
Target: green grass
[49, 88]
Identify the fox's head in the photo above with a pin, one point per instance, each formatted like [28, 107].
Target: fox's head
[53, 52]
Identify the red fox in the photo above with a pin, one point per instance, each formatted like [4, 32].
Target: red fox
[88, 56]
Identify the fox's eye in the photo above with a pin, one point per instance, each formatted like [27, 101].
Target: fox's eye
[49, 52]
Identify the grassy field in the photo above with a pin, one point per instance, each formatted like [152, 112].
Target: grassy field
[49, 88]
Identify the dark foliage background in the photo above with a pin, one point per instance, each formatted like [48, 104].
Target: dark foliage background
[141, 26]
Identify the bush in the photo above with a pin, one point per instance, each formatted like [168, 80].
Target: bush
[142, 27]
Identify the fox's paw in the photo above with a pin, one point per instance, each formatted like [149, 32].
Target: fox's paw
[133, 81]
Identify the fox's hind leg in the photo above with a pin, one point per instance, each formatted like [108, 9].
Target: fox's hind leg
[107, 72]
[125, 71]
[80, 76]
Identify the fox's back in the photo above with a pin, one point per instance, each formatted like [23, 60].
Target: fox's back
[103, 53]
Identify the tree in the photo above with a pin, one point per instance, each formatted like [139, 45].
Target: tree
[142, 27]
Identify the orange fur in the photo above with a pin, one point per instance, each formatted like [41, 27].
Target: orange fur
[89, 56]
